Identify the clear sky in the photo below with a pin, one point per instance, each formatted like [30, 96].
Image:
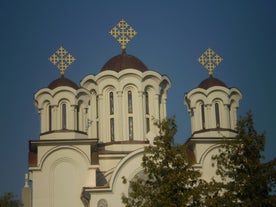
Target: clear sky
[171, 36]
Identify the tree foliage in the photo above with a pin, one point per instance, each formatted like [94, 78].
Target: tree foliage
[171, 180]
[9, 200]
[246, 180]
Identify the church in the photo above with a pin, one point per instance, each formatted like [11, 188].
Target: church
[93, 133]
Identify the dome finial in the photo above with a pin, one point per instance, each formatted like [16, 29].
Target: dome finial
[62, 59]
[123, 33]
[210, 60]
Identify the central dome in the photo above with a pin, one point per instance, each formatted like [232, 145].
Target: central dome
[124, 61]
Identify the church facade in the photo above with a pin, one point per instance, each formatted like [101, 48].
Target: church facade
[94, 133]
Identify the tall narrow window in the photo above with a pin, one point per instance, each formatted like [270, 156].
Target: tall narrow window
[97, 128]
[112, 136]
[217, 115]
[147, 125]
[78, 118]
[97, 106]
[111, 103]
[129, 101]
[202, 116]
[63, 108]
[130, 128]
[50, 117]
[147, 102]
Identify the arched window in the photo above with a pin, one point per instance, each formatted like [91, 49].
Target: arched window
[130, 128]
[111, 103]
[217, 115]
[129, 102]
[97, 106]
[202, 116]
[50, 118]
[63, 116]
[78, 118]
[147, 102]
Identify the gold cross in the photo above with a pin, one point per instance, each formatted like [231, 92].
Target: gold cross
[123, 33]
[210, 60]
[62, 59]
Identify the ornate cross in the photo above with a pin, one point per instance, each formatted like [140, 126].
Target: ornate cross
[62, 59]
[123, 33]
[210, 60]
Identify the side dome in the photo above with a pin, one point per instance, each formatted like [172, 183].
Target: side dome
[62, 81]
[210, 82]
[124, 61]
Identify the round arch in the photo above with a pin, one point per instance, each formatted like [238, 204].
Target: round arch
[55, 149]
[131, 161]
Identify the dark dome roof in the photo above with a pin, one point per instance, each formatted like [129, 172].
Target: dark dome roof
[210, 82]
[62, 81]
[124, 61]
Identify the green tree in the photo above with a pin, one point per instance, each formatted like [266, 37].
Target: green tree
[9, 200]
[171, 180]
[246, 180]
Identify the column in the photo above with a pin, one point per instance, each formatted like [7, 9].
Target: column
[101, 117]
[119, 117]
[210, 121]
[156, 109]
[140, 117]
[54, 119]
[226, 120]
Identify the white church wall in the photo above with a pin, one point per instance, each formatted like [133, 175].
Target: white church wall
[128, 167]
[60, 180]
[208, 164]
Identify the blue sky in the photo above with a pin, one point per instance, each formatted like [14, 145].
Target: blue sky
[171, 36]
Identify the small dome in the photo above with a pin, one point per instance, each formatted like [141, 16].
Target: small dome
[210, 82]
[62, 81]
[124, 61]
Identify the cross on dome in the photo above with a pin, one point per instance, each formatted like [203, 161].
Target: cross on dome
[210, 60]
[62, 59]
[123, 33]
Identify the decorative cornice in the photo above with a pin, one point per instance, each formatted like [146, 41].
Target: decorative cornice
[62, 131]
[34, 143]
[213, 130]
